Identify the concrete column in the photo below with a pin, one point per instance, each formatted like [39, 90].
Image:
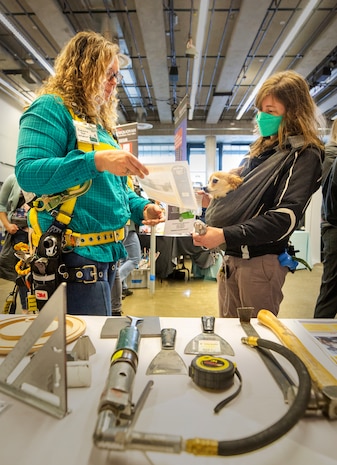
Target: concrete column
[210, 146]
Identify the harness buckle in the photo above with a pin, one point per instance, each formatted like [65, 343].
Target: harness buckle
[117, 234]
[93, 274]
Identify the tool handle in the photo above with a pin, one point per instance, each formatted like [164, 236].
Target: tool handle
[168, 338]
[129, 338]
[320, 376]
[208, 323]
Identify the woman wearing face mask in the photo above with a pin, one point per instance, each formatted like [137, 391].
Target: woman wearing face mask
[67, 145]
[253, 223]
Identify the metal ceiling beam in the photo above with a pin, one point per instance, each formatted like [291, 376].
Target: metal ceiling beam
[151, 19]
[52, 18]
[199, 43]
[248, 22]
[329, 103]
[320, 48]
[198, 128]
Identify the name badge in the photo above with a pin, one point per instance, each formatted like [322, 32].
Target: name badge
[86, 132]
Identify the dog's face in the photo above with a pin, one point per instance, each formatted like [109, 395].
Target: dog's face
[221, 182]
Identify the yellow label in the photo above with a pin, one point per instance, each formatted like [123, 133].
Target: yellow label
[117, 355]
[208, 362]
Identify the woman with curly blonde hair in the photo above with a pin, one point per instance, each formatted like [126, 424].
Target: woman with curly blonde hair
[253, 223]
[67, 145]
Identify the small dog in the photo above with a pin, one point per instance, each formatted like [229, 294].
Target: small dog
[221, 182]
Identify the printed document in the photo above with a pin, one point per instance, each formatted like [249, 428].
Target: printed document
[170, 183]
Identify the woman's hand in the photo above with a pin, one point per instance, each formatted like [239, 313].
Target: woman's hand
[213, 238]
[153, 214]
[120, 163]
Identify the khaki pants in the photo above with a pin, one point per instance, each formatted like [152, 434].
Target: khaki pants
[256, 282]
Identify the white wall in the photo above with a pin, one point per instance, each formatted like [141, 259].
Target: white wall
[313, 225]
[10, 112]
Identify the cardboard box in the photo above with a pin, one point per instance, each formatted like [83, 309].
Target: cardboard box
[138, 279]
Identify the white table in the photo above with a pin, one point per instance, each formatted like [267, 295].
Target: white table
[175, 406]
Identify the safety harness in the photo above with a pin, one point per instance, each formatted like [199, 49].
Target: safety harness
[47, 268]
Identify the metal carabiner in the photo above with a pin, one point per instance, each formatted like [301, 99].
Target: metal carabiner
[50, 202]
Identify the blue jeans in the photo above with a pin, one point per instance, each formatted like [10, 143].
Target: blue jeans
[116, 294]
[90, 298]
[132, 245]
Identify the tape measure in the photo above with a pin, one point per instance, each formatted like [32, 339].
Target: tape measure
[215, 374]
[209, 372]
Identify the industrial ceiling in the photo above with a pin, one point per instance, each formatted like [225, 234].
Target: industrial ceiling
[215, 52]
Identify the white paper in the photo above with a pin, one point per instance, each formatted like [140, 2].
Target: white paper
[178, 224]
[324, 333]
[170, 183]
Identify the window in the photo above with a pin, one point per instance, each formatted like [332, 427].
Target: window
[232, 156]
[156, 153]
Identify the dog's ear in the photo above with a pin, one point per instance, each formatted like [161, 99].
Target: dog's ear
[234, 181]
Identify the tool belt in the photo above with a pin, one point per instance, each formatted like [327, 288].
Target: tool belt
[73, 239]
[86, 274]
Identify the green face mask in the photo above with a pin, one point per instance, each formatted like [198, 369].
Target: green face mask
[268, 124]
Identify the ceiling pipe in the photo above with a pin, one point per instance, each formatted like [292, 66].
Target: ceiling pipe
[5, 87]
[44, 63]
[307, 11]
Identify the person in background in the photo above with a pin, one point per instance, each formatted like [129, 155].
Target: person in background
[131, 243]
[66, 145]
[116, 295]
[253, 223]
[13, 215]
[326, 305]
[132, 246]
[120, 288]
[131, 262]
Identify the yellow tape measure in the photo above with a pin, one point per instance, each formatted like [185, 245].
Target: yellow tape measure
[209, 372]
[215, 374]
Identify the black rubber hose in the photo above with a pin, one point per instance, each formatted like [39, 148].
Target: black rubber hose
[292, 416]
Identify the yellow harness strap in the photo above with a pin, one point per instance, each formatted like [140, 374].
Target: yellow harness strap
[36, 233]
[64, 215]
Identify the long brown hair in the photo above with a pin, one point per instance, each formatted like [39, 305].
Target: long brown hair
[80, 71]
[301, 113]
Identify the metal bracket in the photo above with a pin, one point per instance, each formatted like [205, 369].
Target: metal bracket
[40, 381]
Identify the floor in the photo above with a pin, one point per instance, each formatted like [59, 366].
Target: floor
[198, 297]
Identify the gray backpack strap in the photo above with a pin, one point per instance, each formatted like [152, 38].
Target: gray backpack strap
[244, 202]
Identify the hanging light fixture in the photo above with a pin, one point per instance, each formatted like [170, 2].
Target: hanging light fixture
[191, 50]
